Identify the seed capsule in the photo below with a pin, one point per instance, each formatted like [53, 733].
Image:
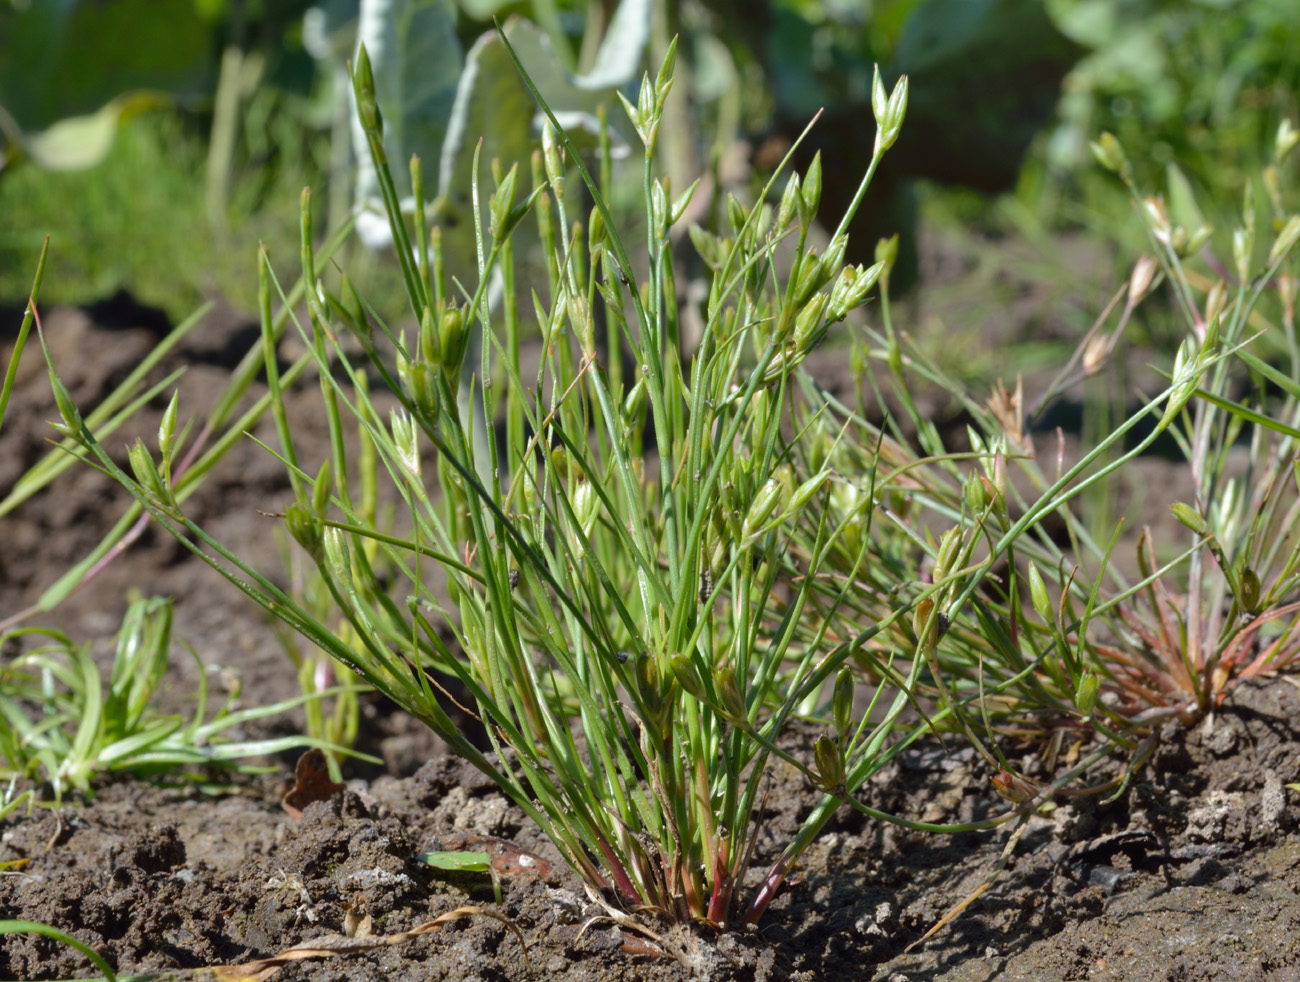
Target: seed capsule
[830, 765]
[1013, 788]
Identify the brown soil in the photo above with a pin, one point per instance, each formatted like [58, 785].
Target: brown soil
[1192, 875]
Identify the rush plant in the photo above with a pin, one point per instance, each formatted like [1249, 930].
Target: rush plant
[1045, 634]
[613, 553]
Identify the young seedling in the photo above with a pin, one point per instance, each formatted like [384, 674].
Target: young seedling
[457, 864]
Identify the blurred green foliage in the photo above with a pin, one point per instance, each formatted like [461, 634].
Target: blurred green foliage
[255, 109]
[136, 222]
[64, 58]
[1198, 83]
[1202, 83]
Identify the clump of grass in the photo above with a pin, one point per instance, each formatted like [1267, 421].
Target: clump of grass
[1059, 641]
[637, 576]
[1183, 637]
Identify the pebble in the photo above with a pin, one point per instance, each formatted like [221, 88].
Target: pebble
[1108, 878]
[1272, 802]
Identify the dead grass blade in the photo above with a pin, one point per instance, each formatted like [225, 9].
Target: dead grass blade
[335, 945]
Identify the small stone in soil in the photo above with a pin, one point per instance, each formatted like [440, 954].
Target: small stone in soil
[1108, 878]
[1272, 803]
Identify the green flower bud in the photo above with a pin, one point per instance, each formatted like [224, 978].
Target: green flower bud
[451, 340]
[633, 112]
[1250, 590]
[834, 258]
[583, 325]
[502, 203]
[782, 362]
[560, 463]
[338, 555]
[758, 410]
[879, 98]
[645, 101]
[586, 506]
[706, 244]
[407, 440]
[320, 492]
[1110, 155]
[889, 111]
[306, 530]
[804, 493]
[352, 312]
[998, 480]
[422, 390]
[765, 504]
[1190, 517]
[852, 287]
[1085, 694]
[1210, 346]
[842, 703]
[790, 201]
[809, 277]
[597, 234]
[167, 428]
[646, 673]
[811, 194]
[736, 214]
[664, 80]
[656, 698]
[729, 695]
[653, 700]
[976, 494]
[1038, 595]
[552, 157]
[67, 408]
[430, 345]
[659, 209]
[811, 325]
[949, 546]
[831, 771]
[1242, 246]
[363, 84]
[1285, 141]
[1285, 241]
[1193, 241]
[682, 203]
[146, 474]
[717, 560]
[887, 254]
[1187, 375]
[687, 677]
[516, 214]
